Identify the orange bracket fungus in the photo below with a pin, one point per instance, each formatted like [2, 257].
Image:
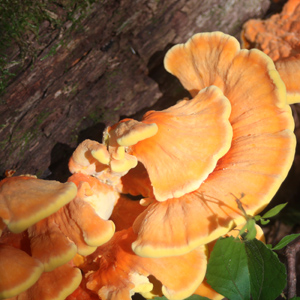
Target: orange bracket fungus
[54, 285]
[56, 229]
[176, 146]
[279, 37]
[115, 272]
[25, 200]
[245, 120]
[18, 271]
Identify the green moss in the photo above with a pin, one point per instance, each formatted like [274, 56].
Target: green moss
[75, 130]
[23, 18]
[96, 116]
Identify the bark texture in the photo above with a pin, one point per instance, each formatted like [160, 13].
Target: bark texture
[110, 67]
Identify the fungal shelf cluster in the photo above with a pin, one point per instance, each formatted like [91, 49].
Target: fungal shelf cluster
[87, 239]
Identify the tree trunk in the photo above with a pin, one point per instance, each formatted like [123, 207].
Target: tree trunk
[110, 67]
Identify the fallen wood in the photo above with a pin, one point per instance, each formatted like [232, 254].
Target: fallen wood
[111, 67]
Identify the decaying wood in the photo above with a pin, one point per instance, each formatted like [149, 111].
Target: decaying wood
[111, 67]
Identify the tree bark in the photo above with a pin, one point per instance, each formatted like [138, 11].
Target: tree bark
[111, 67]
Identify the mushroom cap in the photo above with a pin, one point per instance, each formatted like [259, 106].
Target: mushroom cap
[279, 37]
[18, 271]
[54, 285]
[260, 155]
[106, 162]
[80, 220]
[129, 132]
[117, 272]
[177, 149]
[49, 245]
[25, 200]
[122, 135]
[90, 157]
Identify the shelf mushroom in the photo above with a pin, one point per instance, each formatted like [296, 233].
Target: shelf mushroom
[200, 172]
[113, 271]
[51, 243]
[176, 146]
[24, 200]
[54, 285]
[79, 227]
[279, 37]
[19, 271]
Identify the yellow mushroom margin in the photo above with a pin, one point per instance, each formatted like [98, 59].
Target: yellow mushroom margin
[176, 160]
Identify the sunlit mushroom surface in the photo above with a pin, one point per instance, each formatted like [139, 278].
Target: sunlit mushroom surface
[115, 272]
[250, 171]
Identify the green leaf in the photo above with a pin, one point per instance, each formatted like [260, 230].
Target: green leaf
[257, 218]
[227, 270]
[295, 298]
[274, 211]
[242, 231]
[264, 222]
[248, 231]
[251, 234]
[286, 240]
[267, 273]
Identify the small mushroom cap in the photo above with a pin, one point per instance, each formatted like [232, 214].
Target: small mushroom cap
[54, 285]
[123, 165]
[261, 122]
[279, 37]
[100, 196]
[80, 220]
[18, 271]
[192, 135]
[49, 245]
[26, 200]
[129, 132]
[90, 157]
[118, 273]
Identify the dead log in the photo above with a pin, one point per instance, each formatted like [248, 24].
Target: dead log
[111, 67]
